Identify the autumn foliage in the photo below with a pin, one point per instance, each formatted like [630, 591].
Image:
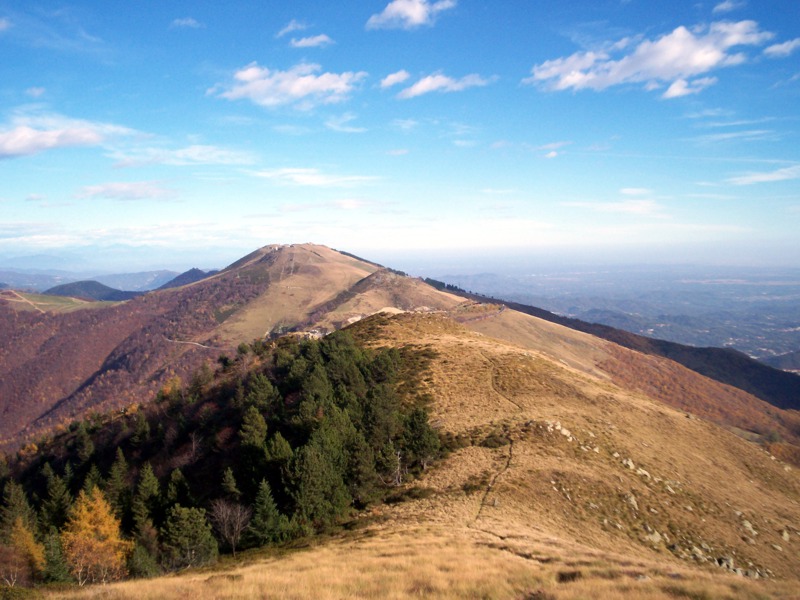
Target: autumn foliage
[93, 547]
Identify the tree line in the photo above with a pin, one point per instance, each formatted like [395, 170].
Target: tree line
[280, 441]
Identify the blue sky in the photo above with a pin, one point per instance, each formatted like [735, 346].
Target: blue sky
[180, 133]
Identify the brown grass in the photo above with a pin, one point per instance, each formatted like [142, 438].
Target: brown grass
[527, 510]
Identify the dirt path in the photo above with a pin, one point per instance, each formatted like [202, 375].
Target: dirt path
[490, 487]
[193, 344]
[493, 376]
[24, 300]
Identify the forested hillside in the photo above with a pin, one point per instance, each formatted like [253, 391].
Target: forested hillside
[280, 441]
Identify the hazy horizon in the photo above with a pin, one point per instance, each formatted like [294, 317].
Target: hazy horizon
[188, 134]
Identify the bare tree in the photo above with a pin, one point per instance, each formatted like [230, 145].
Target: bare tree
[230, 520]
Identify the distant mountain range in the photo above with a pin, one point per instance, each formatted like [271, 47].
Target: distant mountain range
[91, 290]
[787, 362]
[190, 276]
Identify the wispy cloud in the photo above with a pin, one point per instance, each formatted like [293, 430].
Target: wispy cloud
[681, 87]
[312, 177]
[728, 6]
[676, 59]
[783, 174]
[137, 190]
[314, 41]
[408, 14]
[640, 207]
[303, 86]
[394, 78]
[291, 26]
[498, 191]
[749, 135]
[34, 133]
[442, 83]
[784, 49]
[636, 192]
[341, 124]
[196, 154]
[5, 24]
[35, 92]
[186, 23]
[405, 124]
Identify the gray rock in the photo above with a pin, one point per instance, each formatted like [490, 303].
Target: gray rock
[654, 538]
[748, 526]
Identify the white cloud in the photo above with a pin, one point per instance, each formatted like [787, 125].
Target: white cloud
[34, 133]
[303, 86]
[551, 154]
[635, 192]
[340, 124]
[23, 140]
[35, 92]
[783, 174]
[196, 154]
[138, 190]
[408, 14]
[629, 207]
[677, 58]
[553, 145]
[681, 87]
[291, 26]
[784, 49]
[498, 191]
[5, 24]
[312, 177]
[405, 124]
[186, 23]
[398, 152]
[442, 83]
[394, 78]
[728, 6]
[315, 41]
[748, 135]
[350, 204]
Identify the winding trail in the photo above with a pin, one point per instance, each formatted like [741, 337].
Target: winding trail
[26, 301]
[492, 381]
[490, 487]
[193, 344]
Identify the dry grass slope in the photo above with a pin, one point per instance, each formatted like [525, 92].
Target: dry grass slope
[563, 485]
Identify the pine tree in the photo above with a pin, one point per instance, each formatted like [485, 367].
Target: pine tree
[93, 547]
[254, 428]
[317, 473]
[146, 498]
[278, 449]
[84, 446]
[55, 507]
[187, 538]
[178, 491]
[116, 488]
[261, 394]
[93, 479]
[268, 525]
[420, 441]
[56, 569]
[15, 505]
[229, 485]
[141, 430]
